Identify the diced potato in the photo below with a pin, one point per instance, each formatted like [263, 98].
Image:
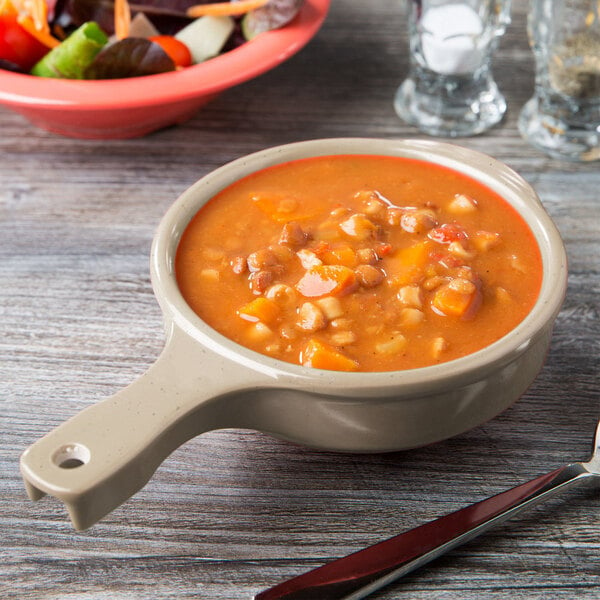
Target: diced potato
[341, 323]
[485, 240]
[308, 258]
[213, 254]
[259, 332]
[410, 295]
[273, 348]
[210, 275]
[331, 307]
[517, 264]
[319, 355]
[260, 309]
[409, 317]
[342, 338]
[311, 317]
[438, 346]
[394, 345]
[374, 330]
[359, 227]
[394, 216]
[462, 204]
[457, 249]
[502, 295]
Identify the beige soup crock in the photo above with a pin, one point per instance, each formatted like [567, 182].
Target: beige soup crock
[203, 381]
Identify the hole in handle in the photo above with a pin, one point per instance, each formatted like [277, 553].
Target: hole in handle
[71, 456]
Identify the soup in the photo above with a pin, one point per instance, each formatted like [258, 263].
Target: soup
[359, 263]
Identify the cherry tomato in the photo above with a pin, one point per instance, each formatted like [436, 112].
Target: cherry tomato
[176, 50]
[18, 46]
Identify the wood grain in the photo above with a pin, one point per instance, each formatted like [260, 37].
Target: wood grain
[232, 511]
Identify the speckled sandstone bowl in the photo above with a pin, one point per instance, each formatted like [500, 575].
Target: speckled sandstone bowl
[203, 381]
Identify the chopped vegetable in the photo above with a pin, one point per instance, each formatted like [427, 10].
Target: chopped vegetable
[273, 15]
[17, 45]
[131, 57]
[319, 355]
[70, 59]
[176, 49]
[28, 32]
[458, 298]
[324, 280]
[122, 19]
[205, 37]
[260, 309]
[234, 8]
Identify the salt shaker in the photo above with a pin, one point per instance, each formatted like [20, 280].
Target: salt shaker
[450, 90]
[562, 119]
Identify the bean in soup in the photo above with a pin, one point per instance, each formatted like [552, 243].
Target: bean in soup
[359, 263]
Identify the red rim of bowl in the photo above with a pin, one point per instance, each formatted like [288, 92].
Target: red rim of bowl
[236, 66]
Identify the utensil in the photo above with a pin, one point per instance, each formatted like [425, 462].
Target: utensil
[362, 573]
[204, 381]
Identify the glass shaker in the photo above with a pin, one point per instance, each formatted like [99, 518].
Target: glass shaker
[450, 91]
[562, 119]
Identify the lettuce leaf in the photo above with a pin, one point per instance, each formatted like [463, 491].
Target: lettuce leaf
[131, 57]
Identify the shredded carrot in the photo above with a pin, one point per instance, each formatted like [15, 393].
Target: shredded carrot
[122, 19]
[32, 16]
[42, 36]
[222, 9]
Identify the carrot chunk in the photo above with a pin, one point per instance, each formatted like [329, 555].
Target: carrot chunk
[327, 280]
[319, 355]
[342, 255]
[260, 309]
[407, 265]
[459, 298]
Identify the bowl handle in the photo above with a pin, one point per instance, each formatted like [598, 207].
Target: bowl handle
[106, 453]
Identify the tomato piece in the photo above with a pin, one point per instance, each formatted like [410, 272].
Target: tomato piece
[447, 233]
[16, 45]
[177, 51]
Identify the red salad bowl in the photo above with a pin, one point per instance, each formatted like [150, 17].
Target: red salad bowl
[125, 108]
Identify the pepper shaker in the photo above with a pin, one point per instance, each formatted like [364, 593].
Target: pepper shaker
[562, 119]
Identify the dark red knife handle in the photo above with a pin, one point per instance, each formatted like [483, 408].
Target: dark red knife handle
[359, 574]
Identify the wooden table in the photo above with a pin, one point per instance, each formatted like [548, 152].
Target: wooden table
[233, 512]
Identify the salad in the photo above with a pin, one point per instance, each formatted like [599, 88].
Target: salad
[113, 39]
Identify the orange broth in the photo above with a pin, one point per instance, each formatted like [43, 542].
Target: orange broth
[359, 263]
